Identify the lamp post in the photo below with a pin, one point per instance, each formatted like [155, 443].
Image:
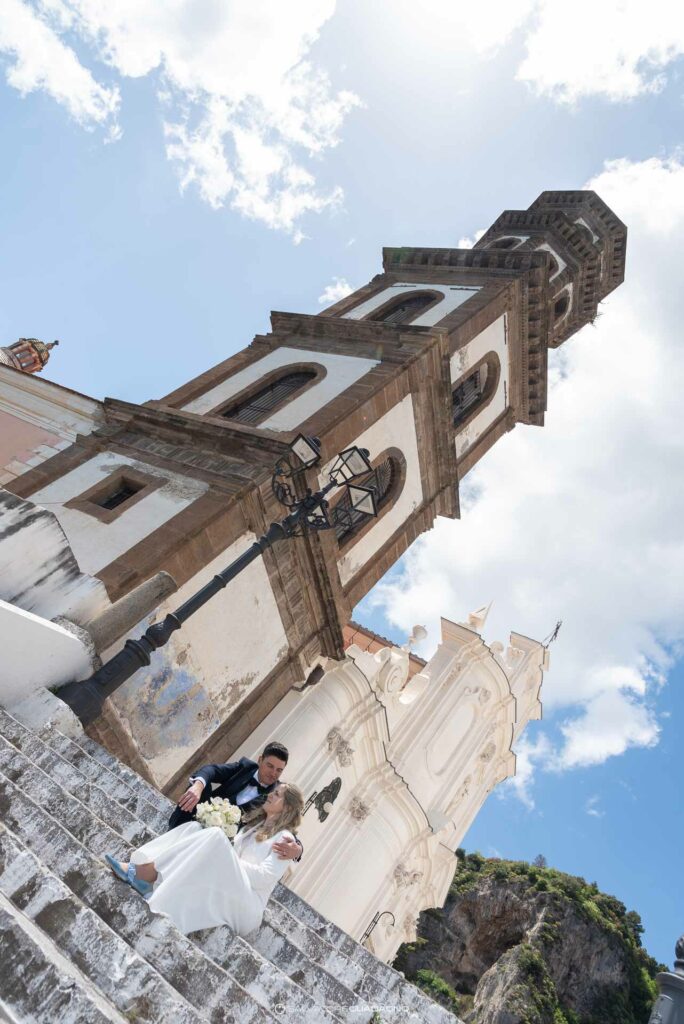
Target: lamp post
[309, 513]
[367, 934]
[669, 1006]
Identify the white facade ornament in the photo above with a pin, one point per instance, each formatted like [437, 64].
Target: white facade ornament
[339, 748]
[358, 810]
[481, 692]
[394, 669]
[416, 774]
[404, 878]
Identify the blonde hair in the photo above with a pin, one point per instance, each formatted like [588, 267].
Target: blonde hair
[289, 817]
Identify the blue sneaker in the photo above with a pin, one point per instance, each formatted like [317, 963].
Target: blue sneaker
[140, 886]
[144, 888]
[116, 867]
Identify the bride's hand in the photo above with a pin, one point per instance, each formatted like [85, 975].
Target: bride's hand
[190, 798]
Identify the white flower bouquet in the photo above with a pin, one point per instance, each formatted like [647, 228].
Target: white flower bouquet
[219, 813]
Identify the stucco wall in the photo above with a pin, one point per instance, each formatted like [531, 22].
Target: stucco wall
[208, 667]
[396, 429]
[492, 339]
[342, 372]
[36, 653]
[96, 544]
[454, 296]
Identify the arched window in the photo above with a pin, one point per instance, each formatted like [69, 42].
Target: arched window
[266, 400]
[405, 310]
[561, 306]
[382, 479]
[468, 393]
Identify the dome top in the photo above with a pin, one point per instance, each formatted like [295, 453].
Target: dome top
[27, 354]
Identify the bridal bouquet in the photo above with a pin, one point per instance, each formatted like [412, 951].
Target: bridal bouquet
[221, 813]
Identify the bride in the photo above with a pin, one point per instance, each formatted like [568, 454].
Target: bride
[200, 880]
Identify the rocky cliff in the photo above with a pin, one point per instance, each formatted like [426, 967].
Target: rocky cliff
[518, 943]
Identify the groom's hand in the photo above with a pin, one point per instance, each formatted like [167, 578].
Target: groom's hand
[287, 849]
[191, 796]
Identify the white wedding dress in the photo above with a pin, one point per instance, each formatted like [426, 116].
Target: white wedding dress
[204, 880]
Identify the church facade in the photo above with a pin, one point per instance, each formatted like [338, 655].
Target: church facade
[113, 514]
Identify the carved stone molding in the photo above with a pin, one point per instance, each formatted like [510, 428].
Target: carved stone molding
[358, 810]
[403, 878]
[339, 748]
[488, 752]
[481, 692]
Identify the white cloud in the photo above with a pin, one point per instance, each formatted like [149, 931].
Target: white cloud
[334, 292]
[584, 519]
[468, 243]
[617, 49]
[39, 60]
[244, 107]
[592, 807]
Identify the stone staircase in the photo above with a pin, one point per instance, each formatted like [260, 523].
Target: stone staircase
[78, 946]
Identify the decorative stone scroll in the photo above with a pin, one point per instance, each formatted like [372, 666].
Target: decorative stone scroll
[403, 878]
[358, 810]
[488, 752]
[339, 748]
[481, 692]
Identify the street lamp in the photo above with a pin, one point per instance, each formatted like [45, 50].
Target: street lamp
[309, 513]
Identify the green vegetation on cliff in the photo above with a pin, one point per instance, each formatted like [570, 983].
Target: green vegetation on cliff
[549, 948]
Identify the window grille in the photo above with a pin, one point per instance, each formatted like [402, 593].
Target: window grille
[257, 407]
[406, 310]
[381, 480]
[122, 492]
[467, 394]
[561, 306]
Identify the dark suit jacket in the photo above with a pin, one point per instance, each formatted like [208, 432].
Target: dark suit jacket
[231, 779]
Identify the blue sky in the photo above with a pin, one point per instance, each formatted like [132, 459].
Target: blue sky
[172, 172]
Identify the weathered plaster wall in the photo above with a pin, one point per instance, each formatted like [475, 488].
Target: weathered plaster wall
[208, 667]
[454, 296]
[492, 339]
[36, 653]
[38, 571]
[396, 429]
[96, 544]
[342, 372]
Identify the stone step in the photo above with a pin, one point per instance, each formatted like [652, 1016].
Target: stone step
[314, 946]
[92, 832]
[25, 739]
[303, 948]
[399, 991]
[327, 990]
[110, 965]
[292, 1000]
[207, 987]
[260, 977]
[36, 987]
[126, 774]
[313, 983]
[18, 764]
[99, 774]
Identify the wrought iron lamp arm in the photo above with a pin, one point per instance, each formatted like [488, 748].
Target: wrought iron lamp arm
[86, 698]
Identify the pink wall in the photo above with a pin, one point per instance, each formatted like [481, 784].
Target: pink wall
[19, 440]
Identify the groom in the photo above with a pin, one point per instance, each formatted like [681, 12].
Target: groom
[245, 783]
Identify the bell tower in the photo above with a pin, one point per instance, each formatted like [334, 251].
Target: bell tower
[426, 366]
